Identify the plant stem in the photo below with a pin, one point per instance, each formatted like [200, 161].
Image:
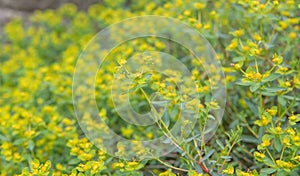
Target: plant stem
[281, 155]
[270, 156]
[170, 166]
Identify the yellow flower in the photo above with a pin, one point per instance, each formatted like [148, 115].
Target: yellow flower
[127, 132]
[246, 48]
[59, 167]
[265, 141]
[292, 117]
[17, 157]
[293, 20]
[237, 66]
[179, 3]
[187, 13]
[133, 165]
[198, 25]
[278, 130]
[262, 6]
[284, 69]
[296, 81]
[167, 173]
[265, 121]
[238, 33]
[257, 76]
[159, 45]
[118, 165]
[192, 20]
[284, 164]
[213, 14]
[82, 167]
[290, 131]
[207, 26]
[296, 140]
[283, 24]
[29, 133]
[259, 156]
[277, 59]
[199, 5]
[297, 158]
[285, 13]
[287, 84]
[290, 2]
[275, 2]
[286, 141]
[85, 156]
[122, 61]
[149, 135]
[35, 164]
[75, 151]
[233, 44]
[214, 105]
[272, 111]
[229, 170]
[200, 106]
[293, 35]
[168, 6]
[194, 173]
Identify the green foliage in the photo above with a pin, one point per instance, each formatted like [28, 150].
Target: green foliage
[256, 42]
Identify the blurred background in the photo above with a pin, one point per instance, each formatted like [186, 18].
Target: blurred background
[22, 8]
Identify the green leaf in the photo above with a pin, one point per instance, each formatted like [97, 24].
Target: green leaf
[3, 138]
[252, 107]
[166, 118]
[74, 161]
[227, 158]
[208, 155]
[249, 139]
[220, 144]
[268, 170]
[19, 141]
[291, 97]
[174, 112]
[244, 83]
[270, 78]
[274, 89]
[269, 162]
[254, 87]
[281, 100]
[192, 138]
[281, 172]
[237, 59]
[277, 144]
[269, 94]
[30, 145]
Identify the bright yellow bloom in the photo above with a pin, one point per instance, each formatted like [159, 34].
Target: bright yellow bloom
[167, 173]
[277, 59]
[199, 5]
[187, 13]
[238, 33]
[283, 24]
[272, 111]
[233, 44]
[265, 121]
[286, 141]
[265, 141]
[293, 35]
[259, 156]
[229, 170]
[278, 130]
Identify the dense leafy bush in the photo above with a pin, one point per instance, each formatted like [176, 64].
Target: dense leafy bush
[257, 43]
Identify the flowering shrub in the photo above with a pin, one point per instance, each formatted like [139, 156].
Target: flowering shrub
[256, 43]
